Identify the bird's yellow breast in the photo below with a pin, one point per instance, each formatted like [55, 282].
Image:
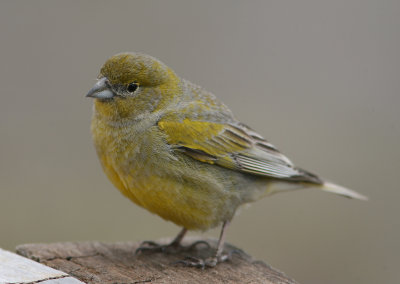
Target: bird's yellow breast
[151, 178]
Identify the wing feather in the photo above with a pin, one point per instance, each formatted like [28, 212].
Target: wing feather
[234, 146]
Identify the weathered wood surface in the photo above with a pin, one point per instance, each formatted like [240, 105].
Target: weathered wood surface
[18, 269]
[96, 262]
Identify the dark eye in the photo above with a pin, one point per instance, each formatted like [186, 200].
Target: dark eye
[132, 87]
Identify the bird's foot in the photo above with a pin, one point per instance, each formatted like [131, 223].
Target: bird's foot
[174, 247]
[210, 262]
[150, 246]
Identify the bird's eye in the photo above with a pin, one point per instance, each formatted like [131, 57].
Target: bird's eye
[132, 87]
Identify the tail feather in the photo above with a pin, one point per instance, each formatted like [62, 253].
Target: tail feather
[337, 189]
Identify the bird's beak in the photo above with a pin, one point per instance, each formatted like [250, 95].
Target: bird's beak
[101, 90]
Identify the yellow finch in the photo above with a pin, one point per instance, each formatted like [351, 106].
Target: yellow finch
[173, 148]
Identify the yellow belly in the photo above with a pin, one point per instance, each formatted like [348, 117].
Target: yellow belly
[189, 206]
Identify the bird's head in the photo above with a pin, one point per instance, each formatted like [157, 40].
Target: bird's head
[131, 84]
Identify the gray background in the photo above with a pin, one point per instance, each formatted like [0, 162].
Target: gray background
[319, 79]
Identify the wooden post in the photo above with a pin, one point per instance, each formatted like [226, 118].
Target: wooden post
[96, 262]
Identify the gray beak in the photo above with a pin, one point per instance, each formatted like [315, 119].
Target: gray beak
[101, 90]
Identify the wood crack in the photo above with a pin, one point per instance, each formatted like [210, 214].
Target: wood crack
[42, 280]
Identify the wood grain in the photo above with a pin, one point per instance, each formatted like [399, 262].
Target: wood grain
[97, 262]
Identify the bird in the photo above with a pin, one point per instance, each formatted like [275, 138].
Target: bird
[174, 149]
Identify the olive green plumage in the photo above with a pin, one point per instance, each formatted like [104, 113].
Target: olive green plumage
[174, 149]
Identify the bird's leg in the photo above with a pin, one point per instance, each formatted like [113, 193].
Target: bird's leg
[177, 241]
[219, 256]
[175, 245]
[212, 261]
[155, 247]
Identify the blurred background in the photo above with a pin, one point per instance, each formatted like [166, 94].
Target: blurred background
[319, 79]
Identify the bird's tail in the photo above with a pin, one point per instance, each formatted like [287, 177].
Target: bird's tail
[337, 189]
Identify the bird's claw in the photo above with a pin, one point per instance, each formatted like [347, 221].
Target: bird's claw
[150, 246]
[210, 262]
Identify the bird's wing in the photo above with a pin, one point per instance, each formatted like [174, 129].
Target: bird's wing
[234, 146]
